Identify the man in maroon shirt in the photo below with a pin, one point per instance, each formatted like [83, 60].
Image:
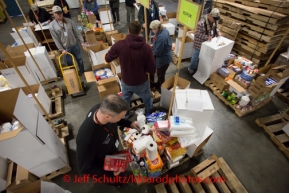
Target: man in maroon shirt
[136, 60]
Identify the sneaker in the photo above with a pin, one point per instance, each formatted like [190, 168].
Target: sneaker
[190, 71]
[119, 23]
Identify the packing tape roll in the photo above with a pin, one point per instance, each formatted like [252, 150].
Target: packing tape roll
[152, 150]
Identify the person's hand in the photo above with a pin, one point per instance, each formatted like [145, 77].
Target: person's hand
[219, 34]
[64, 52]
[144, 25]
[152, 45]
[83, 45]
[209, 38]
[134, 125]
[117, 173]
[48, 21]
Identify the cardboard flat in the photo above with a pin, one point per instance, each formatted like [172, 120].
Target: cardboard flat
[105, 15]
[49, 73]
[71, 81]
[107, 27]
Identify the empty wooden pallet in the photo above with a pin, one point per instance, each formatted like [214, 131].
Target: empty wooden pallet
[212, 175]
[273, 126]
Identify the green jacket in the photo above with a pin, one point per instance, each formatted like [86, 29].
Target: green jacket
[114, 3]
[140, 15]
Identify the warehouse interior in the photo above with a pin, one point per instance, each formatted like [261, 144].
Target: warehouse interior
[256, 161]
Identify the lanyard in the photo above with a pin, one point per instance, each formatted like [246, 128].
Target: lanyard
[97, 121]
[63, 27]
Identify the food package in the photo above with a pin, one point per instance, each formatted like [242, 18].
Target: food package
[175, 150]
[103, 73]
[162, 125]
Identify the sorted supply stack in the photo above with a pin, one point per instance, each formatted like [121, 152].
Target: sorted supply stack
[263, 26]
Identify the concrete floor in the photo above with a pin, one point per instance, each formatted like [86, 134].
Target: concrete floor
[255, 160]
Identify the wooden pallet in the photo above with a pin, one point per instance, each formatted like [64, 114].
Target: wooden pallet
[56, 79]
[139, 104]
[211, 168]
[273, 126]
[283, 94]
[56, 108]
[54, 92]
[238, 112]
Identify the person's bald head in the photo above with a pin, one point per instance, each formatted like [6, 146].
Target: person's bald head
[113, 105]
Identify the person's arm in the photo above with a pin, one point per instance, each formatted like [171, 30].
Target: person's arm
[112, 54]
[56, 39]
[96, 7]
[85, 6]
[140, 15]
[158, 46]
[83, 139]
[31, 17]
[150, 61]
[201, 31]
[124, 123]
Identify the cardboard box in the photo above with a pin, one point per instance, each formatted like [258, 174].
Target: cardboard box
[105, 15]
[90, 37]
[3, 173]
[211, 51]
[188, 47]
[107, 27]
[166, 93]
[27, 35]
[3, 65]
[49, 73]
[41, 96]
[172, 16]
[18, 50]
[235, 88]
[112, 88]
[42, 58]
[259, 87]
[71, 81]
[108, 36]
[117, 37]
[17, 60]
[195, 148]
[170, 27]
[205, 69]
[283, 59]
[41, 187]
[13, 103]
[18, 177]
[91, 18]
[14, 79]
[200, 108]
[90, 77]
[219, 81]
[96, 53]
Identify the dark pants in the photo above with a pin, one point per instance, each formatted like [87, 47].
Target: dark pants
[97, 15]
[75, 51]
[161, 72]
[115, 14]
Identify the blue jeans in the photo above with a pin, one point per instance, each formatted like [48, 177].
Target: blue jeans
[75, 51]
[142, 90]
[194, 60]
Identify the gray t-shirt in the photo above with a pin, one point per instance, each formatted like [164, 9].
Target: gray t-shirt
[65, 35]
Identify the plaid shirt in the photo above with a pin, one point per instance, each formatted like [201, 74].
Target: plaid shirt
[200, 35]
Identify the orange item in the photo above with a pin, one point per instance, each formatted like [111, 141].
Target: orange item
[155, 164]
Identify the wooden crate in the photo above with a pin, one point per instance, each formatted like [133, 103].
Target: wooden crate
[273, 126]
[56, 108]
[238, 112]
[211, 168]
[56, 79]
[283, 94]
